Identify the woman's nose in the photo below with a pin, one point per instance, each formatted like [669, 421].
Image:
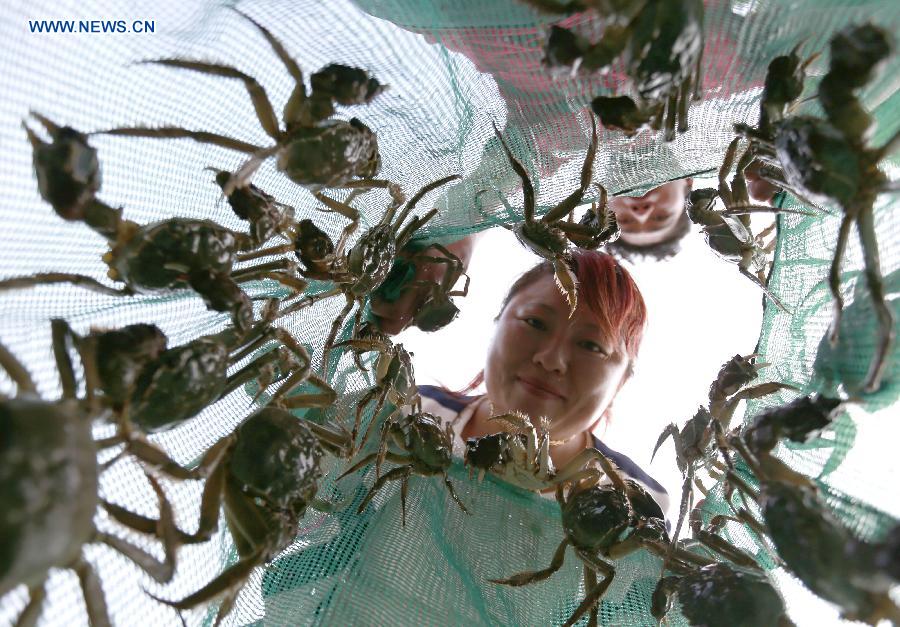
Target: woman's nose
[551, 356]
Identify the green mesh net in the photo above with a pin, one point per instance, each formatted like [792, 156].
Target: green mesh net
[453, 70]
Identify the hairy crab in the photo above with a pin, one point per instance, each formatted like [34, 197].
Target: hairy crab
[266, 473]
[175, 253]
[521, 456]
[417, 442]
[364, 267]
[605, 521]
[312, 150]
[696, 443]
[49, 488]
[719, 595]
[546, 237]
[728, 231]
[168, 386]
[830, 160]
[855, 574]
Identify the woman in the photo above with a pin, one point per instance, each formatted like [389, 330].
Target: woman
[544, 363]
[371, 569]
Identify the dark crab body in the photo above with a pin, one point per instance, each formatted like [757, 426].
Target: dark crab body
[371, 258]
[330, 155]
[311, 149]
[420, 445]
[164, 254]
[720, 595]
[42, 525]
[266, 474]
[267, 216]
[49, 492]
[67, 168]
[815, 547]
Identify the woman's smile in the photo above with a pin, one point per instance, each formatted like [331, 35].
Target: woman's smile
[537, 388]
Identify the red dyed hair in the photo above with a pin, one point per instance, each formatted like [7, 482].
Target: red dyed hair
[610, 293]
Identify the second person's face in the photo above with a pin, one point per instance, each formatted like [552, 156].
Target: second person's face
[651, 218]
[544, 363]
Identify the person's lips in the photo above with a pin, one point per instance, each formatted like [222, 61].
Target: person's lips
[539, 387]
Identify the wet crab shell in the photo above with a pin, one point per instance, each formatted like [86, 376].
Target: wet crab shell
[68, 173]
[162, 254]
[733, 375]
[330, 154]
[818, 159]
[719, 595]
[371, 259]
[276, 458]
[427, 441]
[436, 313]
[122, 354]
[344, 84]
[595, 518]
[487, 451]
[800, 420]
[542, 239]
[622, 113]
[178, 385]
[48, 488]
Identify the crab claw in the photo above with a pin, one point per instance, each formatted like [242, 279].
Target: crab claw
[566, 282]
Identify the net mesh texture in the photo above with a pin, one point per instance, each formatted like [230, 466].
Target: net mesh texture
[453, 70]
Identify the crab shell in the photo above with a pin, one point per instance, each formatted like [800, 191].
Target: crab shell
[542, 239]
[179, 384]
[595, 518]
[161, 255]
[48, 488]
[436, 313]
[427, 442]
[68, 173]
[371, 259]
[719, 595]
[122, 354]
[272, 475]
[330, 154]
[819, 160]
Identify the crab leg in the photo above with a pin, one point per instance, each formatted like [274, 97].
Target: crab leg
[420, 194]
[414, 225]
[592, 597]
[525, 578]
[46, 278]
[173, 132]
[527, 187]
[32, 612]
[866, 228]
[16, 371]
[94, 600]
[571, 201]
[264, 111]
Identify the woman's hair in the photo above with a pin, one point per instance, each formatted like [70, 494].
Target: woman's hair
[608, 290]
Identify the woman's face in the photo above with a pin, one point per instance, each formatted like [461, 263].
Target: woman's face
[544, 363]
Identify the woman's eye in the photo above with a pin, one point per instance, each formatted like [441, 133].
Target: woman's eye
[593, 347]
[534, 322]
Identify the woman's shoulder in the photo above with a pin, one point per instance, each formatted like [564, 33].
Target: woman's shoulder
[446, 398]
